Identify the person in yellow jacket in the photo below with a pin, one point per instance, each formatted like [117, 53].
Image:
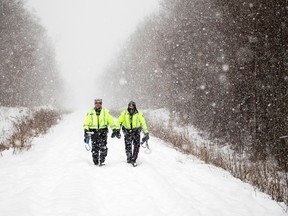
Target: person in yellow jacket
[97, 121]
[132, 122]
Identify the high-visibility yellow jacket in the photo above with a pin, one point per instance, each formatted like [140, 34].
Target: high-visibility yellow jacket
[93, 121]
[136, 121]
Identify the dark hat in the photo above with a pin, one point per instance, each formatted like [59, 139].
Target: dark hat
[98, 100]
[132, 103]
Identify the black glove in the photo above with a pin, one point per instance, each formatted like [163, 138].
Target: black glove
[114, 133]
[145, 138]
[118, 134]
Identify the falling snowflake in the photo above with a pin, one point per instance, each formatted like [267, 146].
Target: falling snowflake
[122, 81]
[225, 67]
[222, 78]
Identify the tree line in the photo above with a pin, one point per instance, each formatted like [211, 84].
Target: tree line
[219, 65]
[28, 70]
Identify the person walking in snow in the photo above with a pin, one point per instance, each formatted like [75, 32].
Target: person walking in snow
[132, 122]
[97, 121]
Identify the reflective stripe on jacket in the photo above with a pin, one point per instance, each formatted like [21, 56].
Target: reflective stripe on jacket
[93, 121]
[137, 121]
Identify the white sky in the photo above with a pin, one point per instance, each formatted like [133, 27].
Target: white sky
[86, 34]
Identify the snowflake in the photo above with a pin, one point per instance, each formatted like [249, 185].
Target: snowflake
[225, 67]
[122, 81]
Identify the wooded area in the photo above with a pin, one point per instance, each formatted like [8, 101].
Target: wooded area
[218, 65]
[28, 70]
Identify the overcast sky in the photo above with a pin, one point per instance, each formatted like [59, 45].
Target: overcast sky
[86, 34]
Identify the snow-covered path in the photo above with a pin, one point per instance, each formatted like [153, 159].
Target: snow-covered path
[57, 177]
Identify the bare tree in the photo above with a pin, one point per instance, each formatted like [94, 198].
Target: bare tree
[28, 71]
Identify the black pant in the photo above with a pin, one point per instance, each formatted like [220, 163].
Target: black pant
[99, 145]
[132, 139]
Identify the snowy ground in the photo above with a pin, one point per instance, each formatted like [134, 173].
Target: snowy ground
[57, 177]
[9, 115]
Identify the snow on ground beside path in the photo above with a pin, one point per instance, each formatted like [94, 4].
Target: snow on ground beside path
[8, 115]
[163, 117]
[57, 177]
[11, 115]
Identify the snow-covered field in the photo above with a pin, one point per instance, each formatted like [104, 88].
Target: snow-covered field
[57, 177]
[162, 117]
[8, 115]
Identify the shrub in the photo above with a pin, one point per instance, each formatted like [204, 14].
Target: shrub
[27, 127]
[264, 175]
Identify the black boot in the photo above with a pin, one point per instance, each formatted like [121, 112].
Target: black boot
[96, 161]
